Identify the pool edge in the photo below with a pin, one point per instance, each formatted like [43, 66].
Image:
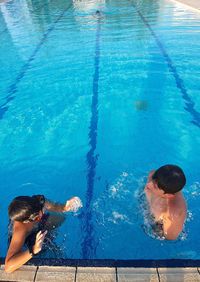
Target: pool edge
[112, 262]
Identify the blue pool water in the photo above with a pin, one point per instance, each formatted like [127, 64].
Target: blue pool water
[90, 103]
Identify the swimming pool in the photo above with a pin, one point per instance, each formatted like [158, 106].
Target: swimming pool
[90, 103]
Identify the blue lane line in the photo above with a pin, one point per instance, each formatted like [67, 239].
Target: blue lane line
[189, 104]
[88, 244]
[12, 89]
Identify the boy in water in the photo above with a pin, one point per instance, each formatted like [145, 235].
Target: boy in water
[166, 202]
[28, 224]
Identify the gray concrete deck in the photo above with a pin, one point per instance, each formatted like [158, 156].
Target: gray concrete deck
[100, 274]
[194, 4]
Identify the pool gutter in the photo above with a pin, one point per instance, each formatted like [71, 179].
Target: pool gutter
[112, 262]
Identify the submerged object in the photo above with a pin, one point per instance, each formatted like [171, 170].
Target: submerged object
[75, 204]
[141, 105]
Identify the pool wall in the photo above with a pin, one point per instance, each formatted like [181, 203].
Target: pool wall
[113, 262]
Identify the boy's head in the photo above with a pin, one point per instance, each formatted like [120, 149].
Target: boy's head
[169, 178]
[26, 208]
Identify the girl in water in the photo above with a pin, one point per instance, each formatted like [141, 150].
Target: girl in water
[29, 226]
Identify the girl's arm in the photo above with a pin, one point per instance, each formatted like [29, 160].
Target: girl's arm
[15, 257]
[71, 205]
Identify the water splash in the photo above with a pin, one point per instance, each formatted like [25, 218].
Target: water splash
[75, 204]
[117, 204]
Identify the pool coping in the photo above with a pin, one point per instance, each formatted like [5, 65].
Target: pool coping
[104, 270]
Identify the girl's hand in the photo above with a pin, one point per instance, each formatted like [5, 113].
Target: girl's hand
[73, 205]
[39, 241]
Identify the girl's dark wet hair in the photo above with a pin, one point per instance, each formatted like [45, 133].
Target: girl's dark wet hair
[26, 208]
[170, 178]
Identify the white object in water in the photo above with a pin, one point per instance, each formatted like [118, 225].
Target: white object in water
[74, 204]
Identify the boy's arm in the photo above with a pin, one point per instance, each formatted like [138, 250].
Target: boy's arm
[148, 194]
[148, 191]
[172, 227]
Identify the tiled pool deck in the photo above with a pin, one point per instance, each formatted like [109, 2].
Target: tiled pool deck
[100, 274]
[47, 270]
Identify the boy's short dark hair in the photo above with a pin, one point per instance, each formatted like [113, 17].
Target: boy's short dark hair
[24, 208]
[170, 178]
